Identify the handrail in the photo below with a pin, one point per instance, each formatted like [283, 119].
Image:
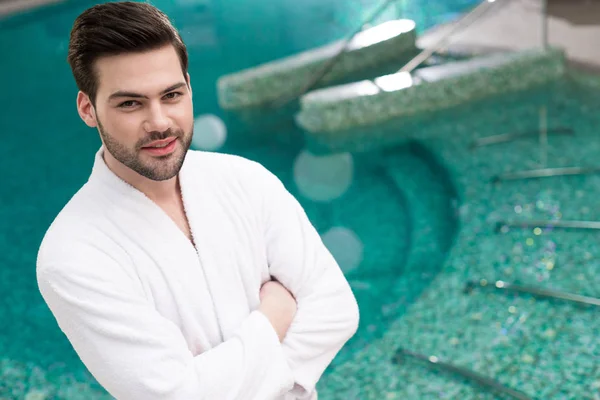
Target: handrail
[485, 381]
[471, 17]
[478, 11]
[283, 100]
[535, 291]
[561, 224]
[544, 173]
[509, 137]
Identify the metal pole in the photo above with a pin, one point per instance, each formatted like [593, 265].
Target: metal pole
[543, 137]
[545, 24]
[471, 17]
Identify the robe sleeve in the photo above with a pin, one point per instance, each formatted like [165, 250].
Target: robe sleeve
[135, 353]
[327, 315]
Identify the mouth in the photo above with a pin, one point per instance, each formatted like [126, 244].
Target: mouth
[161, 147]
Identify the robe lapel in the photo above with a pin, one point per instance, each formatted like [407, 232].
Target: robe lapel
[213, 230]
[215, 233]
[162, 240]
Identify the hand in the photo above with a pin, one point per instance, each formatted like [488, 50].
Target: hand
[278, 305]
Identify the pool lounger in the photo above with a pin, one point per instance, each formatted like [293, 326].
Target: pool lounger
[367, 103]
[482, 380]
[535, 291]
[371, 48]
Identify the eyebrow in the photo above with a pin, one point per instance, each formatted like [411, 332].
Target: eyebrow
[122, 93]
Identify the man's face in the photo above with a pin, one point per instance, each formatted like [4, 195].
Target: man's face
[144, 98]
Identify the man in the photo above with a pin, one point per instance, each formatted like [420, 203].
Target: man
[180, 274]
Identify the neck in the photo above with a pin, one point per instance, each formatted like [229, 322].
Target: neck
[158, 191]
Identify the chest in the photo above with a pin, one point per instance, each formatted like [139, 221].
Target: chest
[176, 213]
[207, 287]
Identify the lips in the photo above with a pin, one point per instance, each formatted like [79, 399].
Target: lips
[159, 143]
[166, 148]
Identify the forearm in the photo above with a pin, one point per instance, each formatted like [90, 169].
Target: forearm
[326, 319]
[252, 365]
[327, 315]
[135, 353]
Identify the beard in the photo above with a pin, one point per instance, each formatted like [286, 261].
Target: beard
[154, 168]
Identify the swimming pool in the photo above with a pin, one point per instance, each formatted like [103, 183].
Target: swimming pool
[408, 222]
[547, 349]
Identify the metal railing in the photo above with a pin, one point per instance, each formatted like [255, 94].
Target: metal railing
[482, 380]
[462, 23]
[535, 291]
[501, 226]
[511, 137]
[316, 78]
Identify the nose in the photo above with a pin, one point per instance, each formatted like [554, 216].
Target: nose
[157, 119]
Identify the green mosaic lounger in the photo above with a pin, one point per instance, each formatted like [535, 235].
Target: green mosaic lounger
[366, 103]
[372, 48]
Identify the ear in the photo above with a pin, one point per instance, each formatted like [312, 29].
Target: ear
[189, 84]
[86, 110]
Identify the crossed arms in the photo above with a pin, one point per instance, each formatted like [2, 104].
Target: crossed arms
[135, 353]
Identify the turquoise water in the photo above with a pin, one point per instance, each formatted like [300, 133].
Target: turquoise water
[391, 220]
[544, 348]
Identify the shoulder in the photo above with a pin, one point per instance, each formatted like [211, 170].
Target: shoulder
[231, 167]
[230, 162]
[240, 180]
[77, 235]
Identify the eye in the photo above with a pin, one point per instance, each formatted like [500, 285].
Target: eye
[173, 95]
[128, 104]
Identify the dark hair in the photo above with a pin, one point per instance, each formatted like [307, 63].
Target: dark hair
[116, 28]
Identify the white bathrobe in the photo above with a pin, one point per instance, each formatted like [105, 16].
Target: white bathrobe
[154, 317]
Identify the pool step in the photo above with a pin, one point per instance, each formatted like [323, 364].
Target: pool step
[431, 202]
[390, 41]
[333, 111]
